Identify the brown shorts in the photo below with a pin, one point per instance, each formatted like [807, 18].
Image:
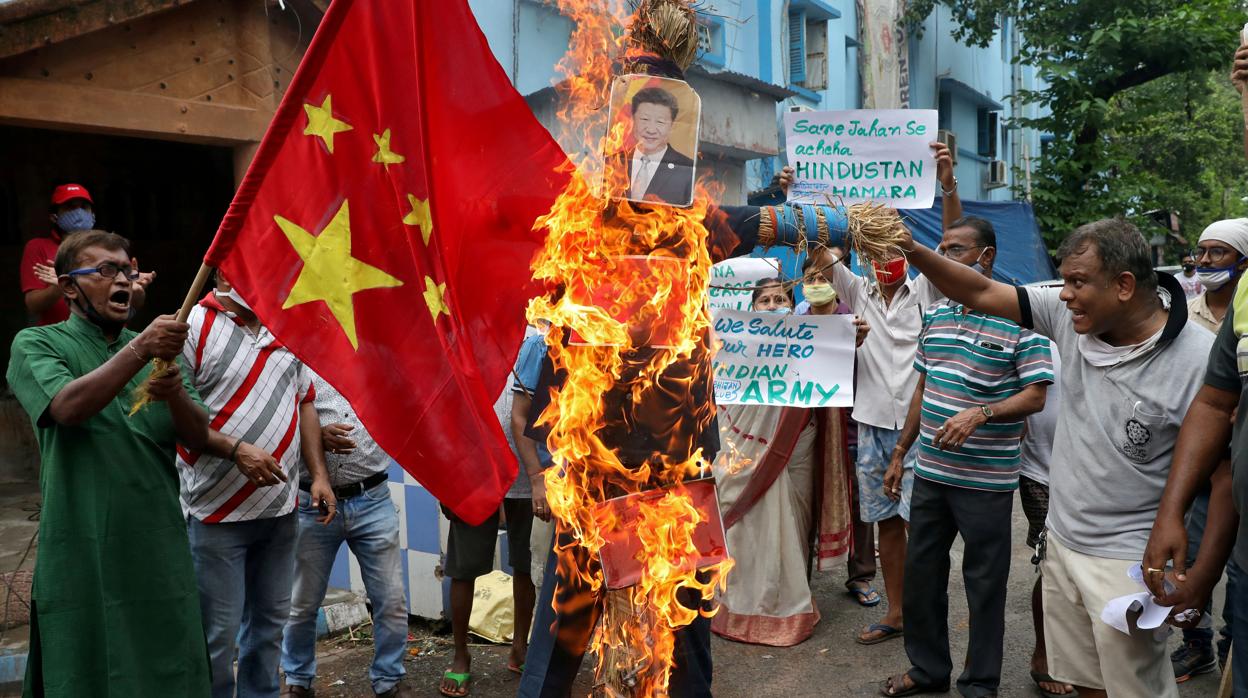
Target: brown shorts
[1035, 498]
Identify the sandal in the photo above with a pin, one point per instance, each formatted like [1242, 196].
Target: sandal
[888, 687]
[866, 595]
[461, 683]
[1039, 678]
[516, 669]
[889, 633]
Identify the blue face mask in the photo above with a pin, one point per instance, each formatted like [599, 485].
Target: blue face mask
[779, 311]
[75, 219]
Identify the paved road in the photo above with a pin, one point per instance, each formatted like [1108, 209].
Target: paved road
[829, 664]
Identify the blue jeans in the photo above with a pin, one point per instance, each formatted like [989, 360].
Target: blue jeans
[244, 570]
[369, 524]
[1239, 658]
[1234, 582]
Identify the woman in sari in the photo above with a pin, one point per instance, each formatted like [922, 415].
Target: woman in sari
[783, 478]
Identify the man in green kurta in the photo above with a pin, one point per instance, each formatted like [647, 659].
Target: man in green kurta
[115, 611]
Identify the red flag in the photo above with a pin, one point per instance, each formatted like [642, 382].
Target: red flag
[384, 233]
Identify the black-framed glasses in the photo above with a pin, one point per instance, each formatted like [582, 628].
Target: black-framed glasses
[959, 250]
[108, 270]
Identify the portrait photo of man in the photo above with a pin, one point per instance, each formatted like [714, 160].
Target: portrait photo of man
[655, 164]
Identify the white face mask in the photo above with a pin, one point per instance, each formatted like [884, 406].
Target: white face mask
[233, 295]
[1214, 279]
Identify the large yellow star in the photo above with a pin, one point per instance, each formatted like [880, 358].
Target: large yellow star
[384, 155]
[330, 273]
[435, 298]
[321, 123]
[420, 215]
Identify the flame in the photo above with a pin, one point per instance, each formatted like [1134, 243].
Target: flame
[615, 386]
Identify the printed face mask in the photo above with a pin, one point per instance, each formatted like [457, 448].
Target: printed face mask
[819, 293]
[75, 219]
[891, 272]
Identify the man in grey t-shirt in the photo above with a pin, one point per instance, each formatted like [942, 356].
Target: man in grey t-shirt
[1131, 366]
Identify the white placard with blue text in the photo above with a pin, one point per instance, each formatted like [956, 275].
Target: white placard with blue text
[786, 360]
[880, 155]
[733, 281]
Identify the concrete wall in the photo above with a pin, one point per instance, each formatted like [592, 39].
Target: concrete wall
[938, 58]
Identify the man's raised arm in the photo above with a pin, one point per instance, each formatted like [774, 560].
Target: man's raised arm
[962, 283]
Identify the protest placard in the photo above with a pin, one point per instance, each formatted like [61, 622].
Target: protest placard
[786, 360]
[733, 281]
[880, 155]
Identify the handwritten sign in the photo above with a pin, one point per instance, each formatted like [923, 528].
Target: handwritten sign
[880, 155]
[733, 281]
[787, 360]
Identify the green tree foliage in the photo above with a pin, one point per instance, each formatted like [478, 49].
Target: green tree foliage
[1120, 146]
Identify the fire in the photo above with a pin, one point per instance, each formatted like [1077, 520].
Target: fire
[628, 417]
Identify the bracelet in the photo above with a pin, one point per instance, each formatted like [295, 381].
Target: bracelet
[234, 451]
[137, 355]
[949, 192]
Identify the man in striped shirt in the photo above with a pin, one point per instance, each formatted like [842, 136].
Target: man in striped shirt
[239, 493]
[979, 377]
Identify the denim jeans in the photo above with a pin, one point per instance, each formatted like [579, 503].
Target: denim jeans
[369, 524]
[1234, 580]
[244, 570]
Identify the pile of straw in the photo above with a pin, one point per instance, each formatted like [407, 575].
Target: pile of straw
[875, 231]
[667, 28]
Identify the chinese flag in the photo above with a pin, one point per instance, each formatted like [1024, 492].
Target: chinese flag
[385, 228]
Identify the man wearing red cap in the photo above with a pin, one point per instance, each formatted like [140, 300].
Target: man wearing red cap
[71, 210]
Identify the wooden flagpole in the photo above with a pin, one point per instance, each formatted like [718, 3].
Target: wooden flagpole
[159, 366]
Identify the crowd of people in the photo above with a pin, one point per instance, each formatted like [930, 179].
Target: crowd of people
[186, 549]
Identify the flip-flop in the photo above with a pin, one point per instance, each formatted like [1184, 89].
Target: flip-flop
[889, 633]
[900, 680]
[515, 669]
[461, 683]
[1039, 677]
[866, 597]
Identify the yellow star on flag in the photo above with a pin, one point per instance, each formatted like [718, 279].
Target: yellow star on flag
[330, 273]
[435, 298]
[419, 215]
[322, 124]
[384, 155]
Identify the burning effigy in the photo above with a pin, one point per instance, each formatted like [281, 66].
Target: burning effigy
[631, 418]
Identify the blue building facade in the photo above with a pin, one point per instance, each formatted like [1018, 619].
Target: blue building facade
[765, 57]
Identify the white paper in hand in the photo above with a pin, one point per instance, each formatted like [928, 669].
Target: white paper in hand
[1152, 615]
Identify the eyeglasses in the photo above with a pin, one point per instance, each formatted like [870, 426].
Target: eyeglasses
[1214, 254]
[108, 270]
[958, 250]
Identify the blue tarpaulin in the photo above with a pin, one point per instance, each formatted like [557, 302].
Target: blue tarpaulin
[1021, 254]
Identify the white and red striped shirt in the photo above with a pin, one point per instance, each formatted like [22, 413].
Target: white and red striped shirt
[252, 387]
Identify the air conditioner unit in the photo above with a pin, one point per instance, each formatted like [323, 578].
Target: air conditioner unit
[997, 173]
[951, 141]
[800, 107]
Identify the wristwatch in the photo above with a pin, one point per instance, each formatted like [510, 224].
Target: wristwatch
[986, 410]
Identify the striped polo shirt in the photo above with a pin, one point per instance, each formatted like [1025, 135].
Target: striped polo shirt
[252, 387]
[971, 359]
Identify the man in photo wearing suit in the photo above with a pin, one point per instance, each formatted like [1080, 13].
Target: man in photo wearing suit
[656, 170]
